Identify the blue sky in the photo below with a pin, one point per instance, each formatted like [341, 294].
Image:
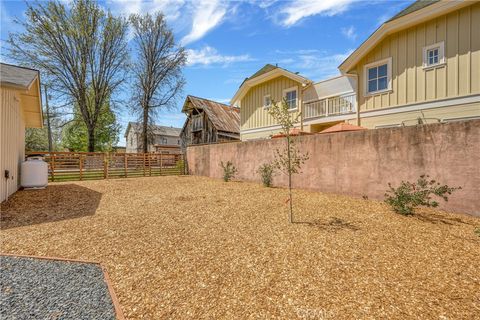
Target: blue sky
[229, 40]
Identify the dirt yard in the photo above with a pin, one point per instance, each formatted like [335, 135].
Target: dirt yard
[196, 248]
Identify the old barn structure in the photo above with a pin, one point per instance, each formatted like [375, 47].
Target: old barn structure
[209, 122]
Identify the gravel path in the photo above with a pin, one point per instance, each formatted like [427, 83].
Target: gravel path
[48, 289]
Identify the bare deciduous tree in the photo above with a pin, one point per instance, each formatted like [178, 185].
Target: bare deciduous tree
[157, 71]
[290, 159]
[76, 48]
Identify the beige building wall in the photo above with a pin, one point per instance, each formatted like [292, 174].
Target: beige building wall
[411, 83]
[12, 141]
[254, 115]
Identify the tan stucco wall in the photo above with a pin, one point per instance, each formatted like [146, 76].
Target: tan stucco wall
[12, 140]
[410, 82]
[364, 162]
[252, 112]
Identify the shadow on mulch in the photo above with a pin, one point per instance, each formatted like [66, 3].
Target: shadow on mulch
[439, 219]
[334, 224]
[55, 203]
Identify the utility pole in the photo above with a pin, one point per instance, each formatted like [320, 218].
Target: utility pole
[49, 129]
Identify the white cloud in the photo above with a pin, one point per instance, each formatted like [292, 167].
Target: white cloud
[349, 32]
[317, 66]
[207, 14]
[297, 10]
[208, 56]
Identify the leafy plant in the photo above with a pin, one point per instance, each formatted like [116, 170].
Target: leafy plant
[229, 170]
[266, 172]
[477, 231]
[290, 159]
[408, 196]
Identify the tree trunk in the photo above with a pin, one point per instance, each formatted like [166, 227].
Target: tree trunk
[145, 130]
[49, 128]
[290, 179]
[91, 139]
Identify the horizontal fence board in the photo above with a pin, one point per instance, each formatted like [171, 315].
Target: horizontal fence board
[71, 166]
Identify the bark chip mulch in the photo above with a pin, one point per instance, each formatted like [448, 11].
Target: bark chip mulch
[198, 248]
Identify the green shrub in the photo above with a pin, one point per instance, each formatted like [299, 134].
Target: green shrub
[180, 165]
[408, 196]
[266, 171]
[477, 231]
[229, 170]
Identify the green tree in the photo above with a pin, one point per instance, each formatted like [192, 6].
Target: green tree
[79, 47]
[75, 133]
[288, 160]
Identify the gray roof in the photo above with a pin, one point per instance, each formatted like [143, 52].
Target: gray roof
[417, 5]
[15, 76]
[157, 130]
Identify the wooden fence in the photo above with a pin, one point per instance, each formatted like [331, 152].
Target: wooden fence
[65, 166]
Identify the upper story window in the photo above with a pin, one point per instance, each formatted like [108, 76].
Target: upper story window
[163, 140]
[290, 96]
[267, 101]
[434, 55]
[378, 76]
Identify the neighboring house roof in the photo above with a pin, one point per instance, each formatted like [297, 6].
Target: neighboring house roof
[223, 117]
[27, 82]
[416, 13]
[157, 130]
[266, 73]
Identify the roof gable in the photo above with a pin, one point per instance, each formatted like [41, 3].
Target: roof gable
[223, 117]
[266, 73]
[416, 13]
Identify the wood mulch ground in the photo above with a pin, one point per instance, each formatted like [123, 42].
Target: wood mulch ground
[193, 247]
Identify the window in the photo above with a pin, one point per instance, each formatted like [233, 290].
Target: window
[434, 55]
[290, 96]
[178, 142]
[378, 76]
[267, 101]
[163, 140]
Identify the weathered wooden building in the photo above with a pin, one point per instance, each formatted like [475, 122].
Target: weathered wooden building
[209, 122]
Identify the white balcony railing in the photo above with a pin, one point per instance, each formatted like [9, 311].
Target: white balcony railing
[330, 106]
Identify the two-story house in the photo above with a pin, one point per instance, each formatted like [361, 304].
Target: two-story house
[162, 139]
[421, 66]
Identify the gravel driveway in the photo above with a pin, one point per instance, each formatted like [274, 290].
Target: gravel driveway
[48, 289]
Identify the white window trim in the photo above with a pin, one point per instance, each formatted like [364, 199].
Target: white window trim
[265, 106]
[441, 55]
[388, 61]
[284, 96]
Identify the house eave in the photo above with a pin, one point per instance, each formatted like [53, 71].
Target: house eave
[266, 77]
[389, 27]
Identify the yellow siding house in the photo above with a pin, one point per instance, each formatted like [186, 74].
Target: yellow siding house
[20, 108]
[421, 66]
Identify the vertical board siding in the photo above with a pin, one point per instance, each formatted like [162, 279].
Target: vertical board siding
[460, 76]
[252, 112]
[12, 139]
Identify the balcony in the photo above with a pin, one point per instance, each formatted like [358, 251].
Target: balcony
[333, 106]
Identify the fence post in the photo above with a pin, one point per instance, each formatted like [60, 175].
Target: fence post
[144, 164]
[125, 165]
[150, 164]
[161, 165]
[52, 166]
[105, 166]
[80, 166]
